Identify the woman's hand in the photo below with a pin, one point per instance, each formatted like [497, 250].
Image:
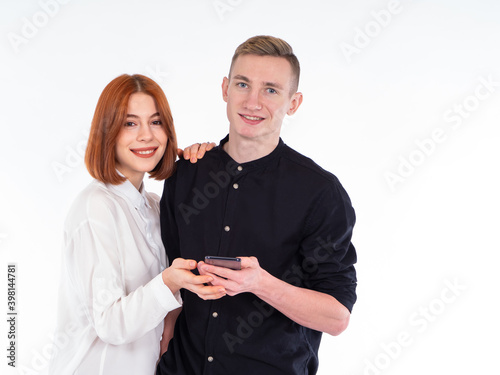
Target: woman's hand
[168, 329]
[179, 276]
[196, 151]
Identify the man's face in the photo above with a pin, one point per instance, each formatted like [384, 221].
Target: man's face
[258, 96]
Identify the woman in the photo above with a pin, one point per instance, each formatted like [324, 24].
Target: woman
[115, 291]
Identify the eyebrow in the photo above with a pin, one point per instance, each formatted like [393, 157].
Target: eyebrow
[241, 78]
[157, 114]
[268, 84]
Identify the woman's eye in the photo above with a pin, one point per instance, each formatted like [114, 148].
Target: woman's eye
[157, 122]
[129, 123]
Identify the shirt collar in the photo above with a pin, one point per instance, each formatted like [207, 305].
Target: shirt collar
[254, 163]
[138, 198]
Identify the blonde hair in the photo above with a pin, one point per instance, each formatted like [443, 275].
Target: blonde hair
[265, 45]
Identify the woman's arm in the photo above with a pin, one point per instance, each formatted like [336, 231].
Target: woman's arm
[118, 313]
[168, 329]
[125, 318]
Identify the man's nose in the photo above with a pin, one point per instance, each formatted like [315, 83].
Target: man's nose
[253, 101]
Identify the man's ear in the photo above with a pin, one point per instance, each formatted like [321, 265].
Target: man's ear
[295, 103]
[225, 86]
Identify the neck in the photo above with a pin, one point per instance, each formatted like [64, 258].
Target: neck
[137, 184]
[244, 150]
[135, 178]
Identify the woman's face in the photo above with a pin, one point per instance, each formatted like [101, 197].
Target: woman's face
[142, 140]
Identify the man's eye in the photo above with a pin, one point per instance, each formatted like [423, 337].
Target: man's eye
[242, 84]
[271, 91]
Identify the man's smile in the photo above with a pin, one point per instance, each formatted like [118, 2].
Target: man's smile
[251, 119]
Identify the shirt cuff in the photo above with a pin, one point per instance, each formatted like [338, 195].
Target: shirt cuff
[164, 295]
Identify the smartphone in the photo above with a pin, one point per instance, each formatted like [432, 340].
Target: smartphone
[228, 262]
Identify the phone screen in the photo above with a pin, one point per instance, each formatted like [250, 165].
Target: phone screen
[228, 262]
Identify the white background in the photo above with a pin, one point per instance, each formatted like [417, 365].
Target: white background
[379, 79]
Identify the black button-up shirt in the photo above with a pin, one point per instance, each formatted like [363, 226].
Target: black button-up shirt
[283, 209]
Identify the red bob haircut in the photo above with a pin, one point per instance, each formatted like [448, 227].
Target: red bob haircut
[110, 117]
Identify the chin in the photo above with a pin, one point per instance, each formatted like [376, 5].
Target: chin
[249, 132]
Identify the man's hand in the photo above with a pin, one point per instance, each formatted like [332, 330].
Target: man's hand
[179, 276]
[247, 279]
[312, 309]
[195, 151]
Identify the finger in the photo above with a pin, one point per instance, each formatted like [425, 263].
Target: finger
[202, 150]
[216, 280]
[200, 268]
[187, 153]
[210, 145]
[194, 152]
[209, 292]
[211, 296]
[189, 264]
[180, 152]
[202, 279]
[220, 271]
[231, 287]
[249, 262]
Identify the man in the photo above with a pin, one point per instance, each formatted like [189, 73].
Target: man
[288, 220]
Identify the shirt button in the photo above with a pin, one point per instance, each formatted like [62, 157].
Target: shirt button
[236, 186]
[226, 228]
[240, 168]
[210, 359]
[215, 315]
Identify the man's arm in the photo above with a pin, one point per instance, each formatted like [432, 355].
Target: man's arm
[323, 290]
[312, 309]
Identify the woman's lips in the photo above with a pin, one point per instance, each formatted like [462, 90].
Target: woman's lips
[145, 152]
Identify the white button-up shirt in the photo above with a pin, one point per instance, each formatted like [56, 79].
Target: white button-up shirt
[112, 298]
